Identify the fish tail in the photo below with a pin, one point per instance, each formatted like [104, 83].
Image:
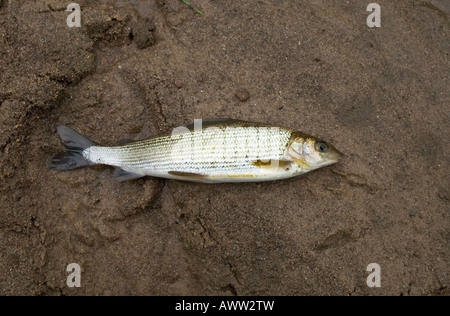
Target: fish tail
[75, 144]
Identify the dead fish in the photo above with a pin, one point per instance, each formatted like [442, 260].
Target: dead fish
[222, 150]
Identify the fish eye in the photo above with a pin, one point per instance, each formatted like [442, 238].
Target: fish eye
[321, 147]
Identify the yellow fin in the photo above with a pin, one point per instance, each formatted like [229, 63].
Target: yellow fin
[193, 176]
[273, 164]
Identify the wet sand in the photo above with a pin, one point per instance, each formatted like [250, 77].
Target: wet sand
[136, 69]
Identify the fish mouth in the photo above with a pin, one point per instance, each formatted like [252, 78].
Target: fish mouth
[336, 156]
[333, 158]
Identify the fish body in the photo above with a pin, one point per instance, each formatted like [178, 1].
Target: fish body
[218, 151]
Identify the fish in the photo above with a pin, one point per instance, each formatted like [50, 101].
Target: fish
[210, 151]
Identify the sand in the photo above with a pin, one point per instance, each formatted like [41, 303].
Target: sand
[136, 69]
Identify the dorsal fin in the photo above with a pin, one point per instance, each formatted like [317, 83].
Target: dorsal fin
[219, 122]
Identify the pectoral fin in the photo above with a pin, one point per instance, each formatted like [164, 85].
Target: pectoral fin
[273, 164]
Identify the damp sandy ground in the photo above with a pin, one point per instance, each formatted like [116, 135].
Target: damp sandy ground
[136, 69]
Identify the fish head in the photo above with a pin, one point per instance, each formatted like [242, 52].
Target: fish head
[311, 153]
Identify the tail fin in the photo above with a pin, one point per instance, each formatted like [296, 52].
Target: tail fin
[75, 144]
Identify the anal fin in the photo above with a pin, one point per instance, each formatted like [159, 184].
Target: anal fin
[123, 175]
